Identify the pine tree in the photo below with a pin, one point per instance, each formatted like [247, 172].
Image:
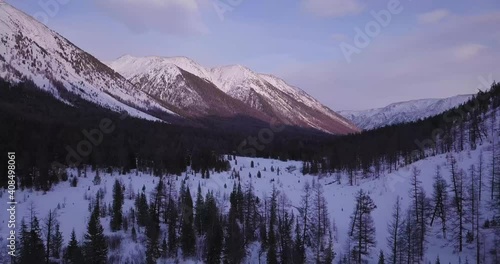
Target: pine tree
[73, 253]
[272, 253]
[57, 243]
[95, 246]
[23, 250]
[299, 254]
[251, 164]
[362, 229]
[153, 235]
[188, 238]
[234, 243]
[215, 233]
[142, 209]
[199, 215]
[320, 226]
[32, 248]
[284, 229]
[305, 214]
[118, 199]
[172, 230]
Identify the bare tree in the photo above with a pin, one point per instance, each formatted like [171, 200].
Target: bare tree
[395, 229]
[49, 225]
[439, 200]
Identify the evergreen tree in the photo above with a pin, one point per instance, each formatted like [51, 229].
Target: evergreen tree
[234, 248]
[142, 209]
[305, 214]
[200, 211]
[118, 199]
[272, 253]
[188, 238]
[31, 248]
[299, 254]
[362, 230]
[153, 235]
[57, 242]
[95, 246]
[73, 253]
[215, 234]
[24, 250]
[172, 228]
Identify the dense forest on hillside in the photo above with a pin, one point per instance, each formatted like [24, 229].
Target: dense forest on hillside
[49, 135]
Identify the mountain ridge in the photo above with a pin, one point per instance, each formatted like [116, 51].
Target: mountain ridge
[267, 94]
[402, 112]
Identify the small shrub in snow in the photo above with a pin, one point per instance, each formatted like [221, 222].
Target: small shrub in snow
[114, 242]
[74, 182]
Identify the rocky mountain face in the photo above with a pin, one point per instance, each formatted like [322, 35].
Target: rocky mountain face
[402, 112]
[198, 90]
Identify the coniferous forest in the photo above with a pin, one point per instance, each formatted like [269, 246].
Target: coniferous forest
[173, 225]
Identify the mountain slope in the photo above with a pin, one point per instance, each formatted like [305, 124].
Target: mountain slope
[191, 95]
[267, 96]
[30, 50]
[402, 112]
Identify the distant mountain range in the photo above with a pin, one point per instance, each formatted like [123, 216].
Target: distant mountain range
[154, 88]
[402, 112]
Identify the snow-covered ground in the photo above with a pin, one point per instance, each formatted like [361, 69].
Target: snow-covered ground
[74, 213]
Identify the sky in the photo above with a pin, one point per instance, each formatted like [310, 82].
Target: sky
[349, 54]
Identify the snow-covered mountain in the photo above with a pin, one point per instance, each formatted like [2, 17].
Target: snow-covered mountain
[30, 50]
[152, 88]
[189, 92]
[402, 112]
[172, 80]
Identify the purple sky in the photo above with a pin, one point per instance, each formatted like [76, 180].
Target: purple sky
[425, 49]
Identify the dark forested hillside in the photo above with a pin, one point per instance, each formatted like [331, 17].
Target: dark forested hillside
[48, 135]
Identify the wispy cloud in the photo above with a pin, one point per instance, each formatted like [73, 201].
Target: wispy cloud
[333, 8]
[433, 16]
[177, 17]
[467, 51]
[425, 62]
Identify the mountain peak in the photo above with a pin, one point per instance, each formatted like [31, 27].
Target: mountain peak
[402, 112]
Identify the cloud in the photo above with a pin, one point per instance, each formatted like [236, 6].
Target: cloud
[176, 17]
[467, 51]
[333, 8]
[433, 16]
[424, 62]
